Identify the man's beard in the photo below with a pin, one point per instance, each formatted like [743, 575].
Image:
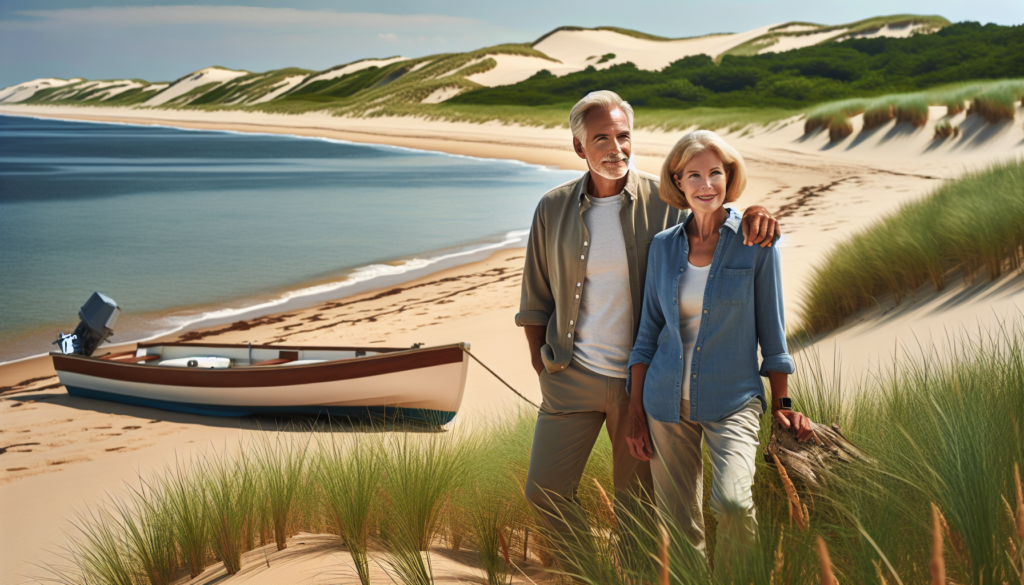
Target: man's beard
[612, 175]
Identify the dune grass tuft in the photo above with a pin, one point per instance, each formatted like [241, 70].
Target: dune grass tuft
[229, 506]
[281, 462]
[184, 489]
[349, 474]
[946, 129]
[972, 224]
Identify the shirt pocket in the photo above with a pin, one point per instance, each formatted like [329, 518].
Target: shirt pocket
[735, 283]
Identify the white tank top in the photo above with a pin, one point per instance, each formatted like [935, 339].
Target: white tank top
[691, 301]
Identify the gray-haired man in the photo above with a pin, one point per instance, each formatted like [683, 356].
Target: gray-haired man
[586, 261]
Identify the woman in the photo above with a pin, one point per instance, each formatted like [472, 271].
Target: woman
[709, 301]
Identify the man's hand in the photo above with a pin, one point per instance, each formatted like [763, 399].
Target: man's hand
[799, 424]
[535, 339]
[638, 436]
[759, 227]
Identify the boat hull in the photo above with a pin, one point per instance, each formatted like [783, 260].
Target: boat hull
[423, 384]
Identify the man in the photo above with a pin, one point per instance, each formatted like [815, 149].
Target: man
[586, 261]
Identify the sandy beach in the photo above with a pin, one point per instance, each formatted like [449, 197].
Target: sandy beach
[62, 453]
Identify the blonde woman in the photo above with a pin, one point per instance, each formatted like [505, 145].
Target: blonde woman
[709, 302]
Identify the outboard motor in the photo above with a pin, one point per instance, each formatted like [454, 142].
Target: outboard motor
[98, 315]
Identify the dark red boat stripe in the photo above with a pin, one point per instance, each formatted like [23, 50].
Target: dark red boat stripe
[258, 377]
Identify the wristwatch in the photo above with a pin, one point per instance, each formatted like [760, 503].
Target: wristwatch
[784, 403]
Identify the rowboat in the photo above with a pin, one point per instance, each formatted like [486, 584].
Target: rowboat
[423, 383]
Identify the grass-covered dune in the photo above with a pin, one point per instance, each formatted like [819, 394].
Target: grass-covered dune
[964, 51]
[972, 226]
[944, 435]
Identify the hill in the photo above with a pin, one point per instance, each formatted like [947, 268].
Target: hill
[371, 85]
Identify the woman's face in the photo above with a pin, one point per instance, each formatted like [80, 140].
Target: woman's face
[703, 182]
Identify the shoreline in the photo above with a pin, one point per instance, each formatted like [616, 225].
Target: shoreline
[304, 295]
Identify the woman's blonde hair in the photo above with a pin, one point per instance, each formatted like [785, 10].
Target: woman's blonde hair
[690, 146]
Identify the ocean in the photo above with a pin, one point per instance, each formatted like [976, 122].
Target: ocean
[187, 228]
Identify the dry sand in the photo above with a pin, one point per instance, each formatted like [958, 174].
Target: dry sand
[71, 451]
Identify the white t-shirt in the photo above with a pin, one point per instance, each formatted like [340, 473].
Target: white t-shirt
[604, 331]
[692, 282]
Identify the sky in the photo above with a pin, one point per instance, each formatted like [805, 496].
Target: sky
[161, 40]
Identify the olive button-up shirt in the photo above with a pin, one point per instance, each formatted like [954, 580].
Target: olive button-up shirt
[557, 253]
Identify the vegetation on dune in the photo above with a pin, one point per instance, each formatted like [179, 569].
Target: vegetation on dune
[994, 100]
[792, 79]
[926, 24]
[974, 224]
[927, 426]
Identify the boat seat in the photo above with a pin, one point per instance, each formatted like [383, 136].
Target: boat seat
[118, 356]
[140, 359]
[274, 362]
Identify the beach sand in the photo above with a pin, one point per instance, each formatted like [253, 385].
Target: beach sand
[65, 453]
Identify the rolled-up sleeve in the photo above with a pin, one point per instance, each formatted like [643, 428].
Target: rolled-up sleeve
[652, 319]
[536, 302]
[770, 315]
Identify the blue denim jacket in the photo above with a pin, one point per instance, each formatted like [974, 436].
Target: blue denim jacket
[742, 307]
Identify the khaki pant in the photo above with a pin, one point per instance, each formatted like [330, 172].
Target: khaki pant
[678, 471]
[576, 403]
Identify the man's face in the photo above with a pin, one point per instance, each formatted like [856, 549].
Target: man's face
[608, 145]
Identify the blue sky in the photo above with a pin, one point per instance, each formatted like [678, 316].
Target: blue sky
[163, 40]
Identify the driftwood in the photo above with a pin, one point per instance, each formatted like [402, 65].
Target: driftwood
[811, 459]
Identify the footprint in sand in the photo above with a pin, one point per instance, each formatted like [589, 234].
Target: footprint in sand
[16, 468]
[115, 448]
[57, 463]
[129, 428]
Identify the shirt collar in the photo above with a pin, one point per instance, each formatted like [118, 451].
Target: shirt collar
[733, 221]
[632, 181]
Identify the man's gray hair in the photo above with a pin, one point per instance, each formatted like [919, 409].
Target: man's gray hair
[603, 98]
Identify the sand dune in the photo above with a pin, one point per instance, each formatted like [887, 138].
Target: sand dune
[192, 81]
[352, 68]
[578, 49]
[23, 91]
[282, 89]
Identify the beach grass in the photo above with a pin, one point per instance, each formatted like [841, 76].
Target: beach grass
[280, 464]
[349, 474]
[184, 489]
[995, 101]
[229, 507]
[971, 225]
[936, 431]
[149, 534]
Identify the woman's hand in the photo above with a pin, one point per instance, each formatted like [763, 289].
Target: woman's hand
[638, 436]
[799, 424]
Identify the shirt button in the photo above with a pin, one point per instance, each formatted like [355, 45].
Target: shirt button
[712, 276]
[698, 348]
[695, 375]
[705, 310]
[568, 334]
[579, 284]
[570, 322]
[584, 243]
[577, 296]
[682, 270]
[582, 257]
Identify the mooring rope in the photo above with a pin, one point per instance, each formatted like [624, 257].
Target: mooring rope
[502, 380]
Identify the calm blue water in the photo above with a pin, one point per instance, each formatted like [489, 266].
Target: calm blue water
[174, 223]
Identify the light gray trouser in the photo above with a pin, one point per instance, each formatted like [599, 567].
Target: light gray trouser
[577, 401]
[678, 470]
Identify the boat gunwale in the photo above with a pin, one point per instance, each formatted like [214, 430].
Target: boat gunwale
[286, 347]
[262, 376]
